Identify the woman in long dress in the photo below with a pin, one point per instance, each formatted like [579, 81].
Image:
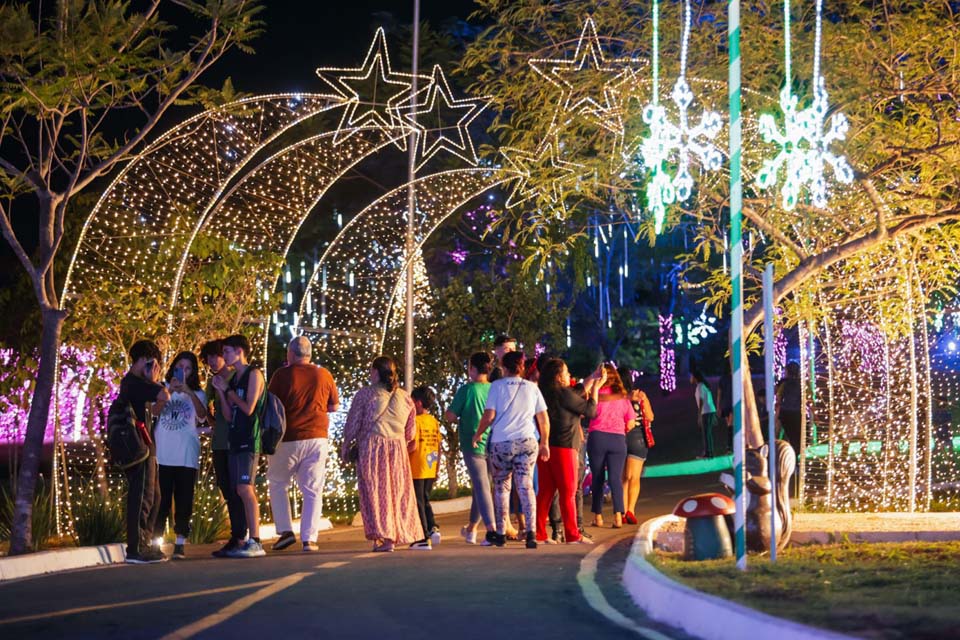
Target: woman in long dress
[381, 423]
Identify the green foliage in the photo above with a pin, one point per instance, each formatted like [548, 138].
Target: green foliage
[99, 518]
[44, 521]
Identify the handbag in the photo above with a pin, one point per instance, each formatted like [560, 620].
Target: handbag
[353, 452]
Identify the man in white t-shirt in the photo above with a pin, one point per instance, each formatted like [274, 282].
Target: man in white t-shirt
[515, 411]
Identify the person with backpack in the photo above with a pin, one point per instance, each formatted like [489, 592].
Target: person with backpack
[178, 447]
[307, 393]
[243, 399]
[212, 355]
[142, 397]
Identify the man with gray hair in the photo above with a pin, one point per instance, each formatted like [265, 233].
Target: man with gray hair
[308, 393]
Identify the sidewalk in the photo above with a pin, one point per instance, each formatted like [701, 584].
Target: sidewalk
[46, 562]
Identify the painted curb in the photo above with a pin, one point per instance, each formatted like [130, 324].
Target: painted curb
[44, 562]
[700, 614]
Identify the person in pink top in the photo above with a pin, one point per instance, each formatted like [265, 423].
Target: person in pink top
[607, 447]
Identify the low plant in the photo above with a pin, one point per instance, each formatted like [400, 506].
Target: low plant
[44, 524]
[99, 518]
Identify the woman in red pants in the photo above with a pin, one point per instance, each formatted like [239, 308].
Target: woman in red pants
[565, 406]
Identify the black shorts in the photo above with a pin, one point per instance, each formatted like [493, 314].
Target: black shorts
[637, 443]
[243, 468]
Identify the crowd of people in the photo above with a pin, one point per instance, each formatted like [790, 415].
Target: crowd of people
[525, 430]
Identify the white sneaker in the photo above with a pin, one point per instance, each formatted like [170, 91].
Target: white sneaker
[422, 545]
[435, 536]
[249, 549]
[470, 537]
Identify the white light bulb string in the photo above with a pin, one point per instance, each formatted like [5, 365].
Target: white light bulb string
[816, 46]
[656, 52]
[684, 43]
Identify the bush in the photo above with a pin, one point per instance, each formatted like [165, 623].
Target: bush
[99, 519]
[44, 525]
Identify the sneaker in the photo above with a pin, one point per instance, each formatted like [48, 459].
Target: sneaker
[501, 539]
[471, 537]
[531, 540]
[310, 547]
[285, 540]
[249, 549]
[422, 545]
[225, 550]
[178, 552]
[150, 556]
[489, 539]
[435, 536]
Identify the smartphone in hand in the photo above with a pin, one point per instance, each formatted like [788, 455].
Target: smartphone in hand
[178, 374]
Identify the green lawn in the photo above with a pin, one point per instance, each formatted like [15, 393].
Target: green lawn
[897, 590]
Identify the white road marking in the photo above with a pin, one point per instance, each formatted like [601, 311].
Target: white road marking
[331, 565]
[132, 603]
[594, 597]
[234, 608]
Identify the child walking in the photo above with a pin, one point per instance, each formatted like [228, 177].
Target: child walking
[424, 460]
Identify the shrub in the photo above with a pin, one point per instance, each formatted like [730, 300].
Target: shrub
[44, 524]
[99, 519]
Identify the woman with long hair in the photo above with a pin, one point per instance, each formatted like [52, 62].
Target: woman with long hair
[178, 447]
[558, 474]
[639, 440]
[607, 446]
[381, 425]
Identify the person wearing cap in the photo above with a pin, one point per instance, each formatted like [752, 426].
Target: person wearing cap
[308, 394]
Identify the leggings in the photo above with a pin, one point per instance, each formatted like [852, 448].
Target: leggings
[481, 506]
[514, 458]
[176, 490]
[558, 477]
[422, 489]
[608, 453]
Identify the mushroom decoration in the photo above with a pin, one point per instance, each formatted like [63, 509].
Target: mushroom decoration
[706, 535]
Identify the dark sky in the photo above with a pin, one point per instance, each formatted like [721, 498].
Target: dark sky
[302, 35]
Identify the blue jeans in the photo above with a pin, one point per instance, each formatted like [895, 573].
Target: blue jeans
[481, 506]
[608, 453]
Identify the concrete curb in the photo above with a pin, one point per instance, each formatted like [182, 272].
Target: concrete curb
[699, 614]
[35, 564]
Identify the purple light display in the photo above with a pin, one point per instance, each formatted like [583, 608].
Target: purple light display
[668, 356]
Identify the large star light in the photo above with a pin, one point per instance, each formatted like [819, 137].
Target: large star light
[371, 93]
[555, 174]
[441, 120]
[680, 140]
[576, 80]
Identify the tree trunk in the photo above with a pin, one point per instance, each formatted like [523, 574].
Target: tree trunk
[21, 539]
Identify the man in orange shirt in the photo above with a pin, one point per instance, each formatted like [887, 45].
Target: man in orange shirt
[307, 393]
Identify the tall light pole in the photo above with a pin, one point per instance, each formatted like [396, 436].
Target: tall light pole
[411, 205]
[736, 278]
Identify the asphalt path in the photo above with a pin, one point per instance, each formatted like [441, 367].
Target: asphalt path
[454, 591]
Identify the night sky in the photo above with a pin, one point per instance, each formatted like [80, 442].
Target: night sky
[302, 35]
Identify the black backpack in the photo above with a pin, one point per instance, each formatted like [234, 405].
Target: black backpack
[125, 440]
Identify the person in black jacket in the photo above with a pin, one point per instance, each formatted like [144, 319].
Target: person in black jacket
[565, 406]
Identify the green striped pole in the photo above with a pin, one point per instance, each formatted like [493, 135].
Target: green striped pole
[736, 280]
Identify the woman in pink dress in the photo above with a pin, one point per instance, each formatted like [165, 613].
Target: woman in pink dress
[381, 423]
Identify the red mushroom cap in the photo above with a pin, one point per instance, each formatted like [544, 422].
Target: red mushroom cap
[704, 505]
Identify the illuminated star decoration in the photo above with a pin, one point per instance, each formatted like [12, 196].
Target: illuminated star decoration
[545, 162]
[370, 93]
[573, 78]
[450, 115]
[665, 137]
[803, 145]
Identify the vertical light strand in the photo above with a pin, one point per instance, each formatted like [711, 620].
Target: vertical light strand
[411, 206]
[787, 66]
[736, 275]
[655, 54]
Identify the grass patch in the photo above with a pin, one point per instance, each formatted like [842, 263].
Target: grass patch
[890, 590]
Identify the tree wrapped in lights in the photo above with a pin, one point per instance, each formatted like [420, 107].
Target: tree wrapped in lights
[70, 78]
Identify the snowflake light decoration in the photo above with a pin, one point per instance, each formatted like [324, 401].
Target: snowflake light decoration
[805, 141]
[667, 139]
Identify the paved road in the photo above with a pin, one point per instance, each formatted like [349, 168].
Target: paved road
[344, 591]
